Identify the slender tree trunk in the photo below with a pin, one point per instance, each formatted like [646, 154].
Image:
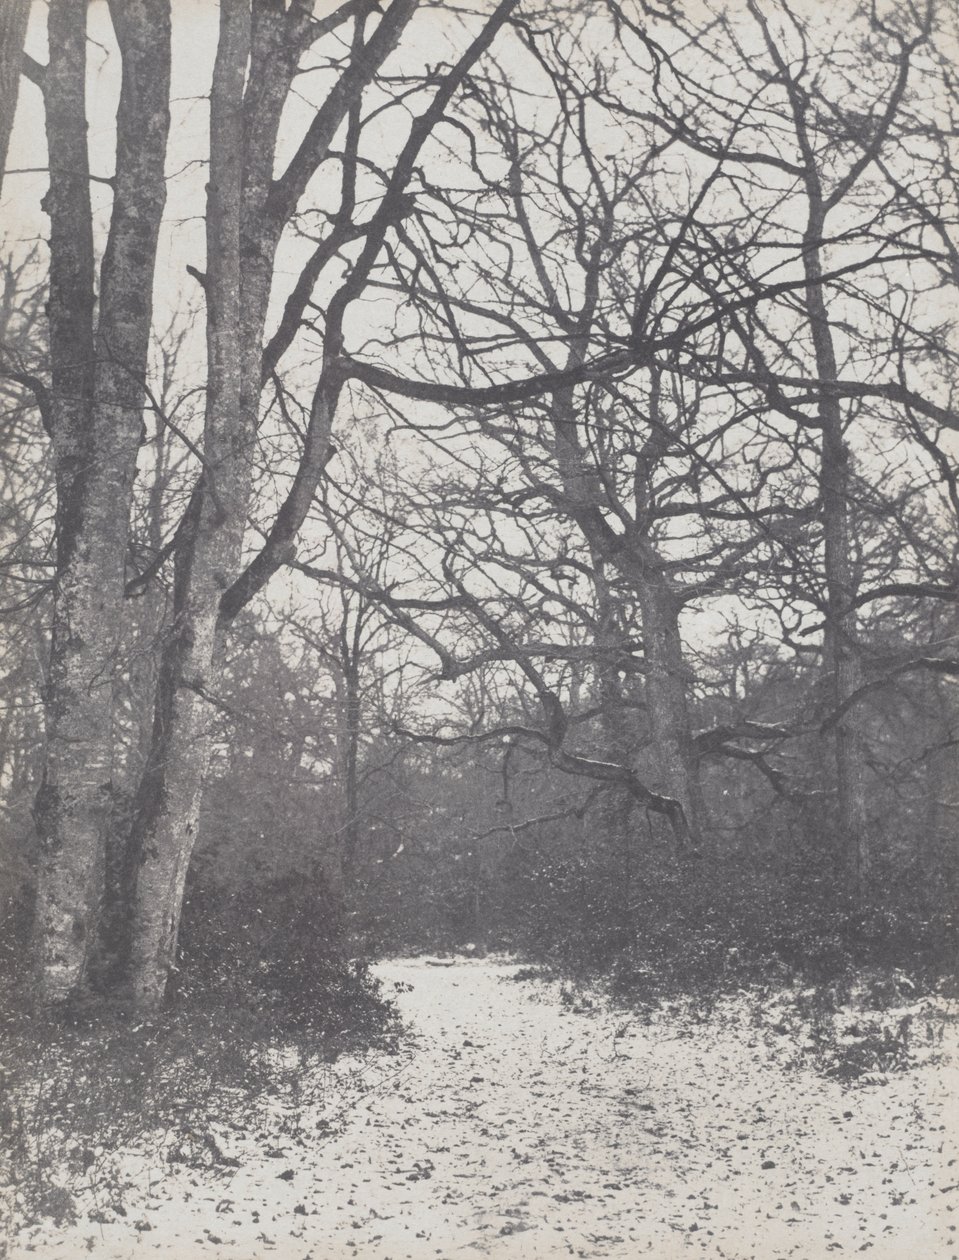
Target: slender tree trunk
[351, 788]
[842, 665]
[97, 420]
[241, 242]
[243, 200]
[167, 803]
[13, 32]
[242, 237]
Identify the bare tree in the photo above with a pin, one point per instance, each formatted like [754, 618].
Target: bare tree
[247, 214]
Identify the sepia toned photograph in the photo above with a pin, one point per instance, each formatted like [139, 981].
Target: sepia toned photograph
[479, 629]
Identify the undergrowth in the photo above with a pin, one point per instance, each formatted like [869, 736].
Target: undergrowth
[97, 1103]
[856, 991]
[83, 1090]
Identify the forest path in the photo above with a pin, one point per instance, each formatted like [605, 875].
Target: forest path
[516, 1127]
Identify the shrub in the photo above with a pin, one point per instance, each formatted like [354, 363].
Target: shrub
[278, 946]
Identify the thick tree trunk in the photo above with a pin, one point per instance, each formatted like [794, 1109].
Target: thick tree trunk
[638, 562]
[72, 800]
[150, 795]
[97, 406]
[666, 673]
[666, 678]
[173, 804]
[135, 721]
[615, 807]
[229, 431]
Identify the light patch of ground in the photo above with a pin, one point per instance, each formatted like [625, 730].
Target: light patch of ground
[515, 1127]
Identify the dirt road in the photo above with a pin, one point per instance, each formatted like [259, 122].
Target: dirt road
[514, 1126]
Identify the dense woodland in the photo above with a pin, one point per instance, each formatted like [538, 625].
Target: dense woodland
[477, 474]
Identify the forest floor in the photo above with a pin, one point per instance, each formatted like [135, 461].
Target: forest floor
[519, 1122]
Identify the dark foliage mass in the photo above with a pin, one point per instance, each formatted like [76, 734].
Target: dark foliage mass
[277, 945]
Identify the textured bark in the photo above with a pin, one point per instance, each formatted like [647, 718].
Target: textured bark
[614, 811]
[71, 802]
[97, 400]
[241, 243]
[134, 724]
[13, 31]
[214, 547]
[666, 680]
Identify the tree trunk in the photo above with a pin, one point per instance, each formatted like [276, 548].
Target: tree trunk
[351, 787]
[241, 242]
[246, 215]
[13, 31]
[615, 805]
[137, 774]
[71, 801]
[842, 666]
[214, 550]
[638, 562]
[97, 418]
[666, 697]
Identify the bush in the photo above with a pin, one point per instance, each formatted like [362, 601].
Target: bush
[277, 945]
[712, 926]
